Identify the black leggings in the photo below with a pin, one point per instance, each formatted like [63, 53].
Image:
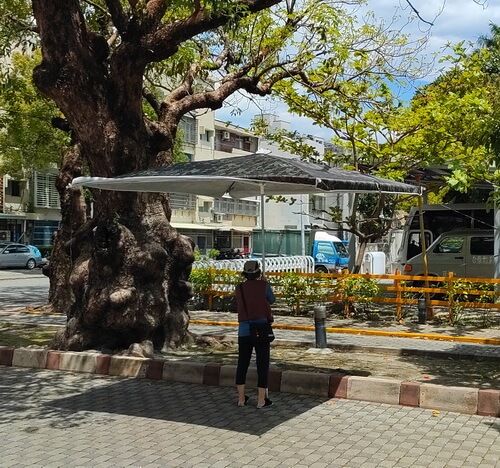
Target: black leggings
[262, 352]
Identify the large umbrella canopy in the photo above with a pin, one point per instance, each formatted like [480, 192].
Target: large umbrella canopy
[246, 176]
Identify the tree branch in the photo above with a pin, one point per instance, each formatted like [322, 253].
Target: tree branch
[418, 14]
[156, 10]
[151, 99]
[165, 41]
[118, 16]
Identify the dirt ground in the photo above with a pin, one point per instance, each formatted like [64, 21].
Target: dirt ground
[450, 372]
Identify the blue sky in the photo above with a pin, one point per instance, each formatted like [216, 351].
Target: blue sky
[453, 21]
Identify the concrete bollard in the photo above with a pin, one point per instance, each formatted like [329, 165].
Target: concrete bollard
[422, 306]
[319, 326]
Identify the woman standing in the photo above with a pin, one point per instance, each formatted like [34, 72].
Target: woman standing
[254, 298]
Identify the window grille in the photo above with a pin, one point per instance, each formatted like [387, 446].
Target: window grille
[240, 207]
[189, 129]
[46, 195]
[180, 201]
[318, 203]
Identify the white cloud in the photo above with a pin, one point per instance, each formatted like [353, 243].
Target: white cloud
[453, 21]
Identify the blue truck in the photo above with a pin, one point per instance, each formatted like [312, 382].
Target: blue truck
[329, 252]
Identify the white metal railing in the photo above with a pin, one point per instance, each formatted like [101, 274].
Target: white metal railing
[303, 264]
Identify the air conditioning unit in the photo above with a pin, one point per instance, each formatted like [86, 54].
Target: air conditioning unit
[218, 218]
[226, 136]
[4, 235]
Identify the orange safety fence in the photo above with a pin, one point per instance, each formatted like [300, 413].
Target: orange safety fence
[397, 289]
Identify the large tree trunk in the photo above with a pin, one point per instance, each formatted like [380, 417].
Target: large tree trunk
[121, 276]
[124, 272]
[73, 216]
[128, 280]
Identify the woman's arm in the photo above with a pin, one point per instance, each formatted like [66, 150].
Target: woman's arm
[269, 294]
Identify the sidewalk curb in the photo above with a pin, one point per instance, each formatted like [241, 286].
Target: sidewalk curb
[395, 392]
[16, 276]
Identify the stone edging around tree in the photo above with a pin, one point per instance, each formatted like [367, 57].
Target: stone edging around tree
[394, 392]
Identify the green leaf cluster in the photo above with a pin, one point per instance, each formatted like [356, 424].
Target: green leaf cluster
[352, 289]
[28, 140]
[297, 289]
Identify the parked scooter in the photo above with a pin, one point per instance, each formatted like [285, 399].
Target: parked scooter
[229, 255]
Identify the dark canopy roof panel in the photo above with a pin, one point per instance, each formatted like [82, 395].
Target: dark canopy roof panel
[242, 176]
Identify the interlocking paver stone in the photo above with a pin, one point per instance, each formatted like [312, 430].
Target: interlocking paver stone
[79, 420]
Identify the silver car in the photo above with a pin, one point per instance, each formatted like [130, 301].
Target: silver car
[14, 255]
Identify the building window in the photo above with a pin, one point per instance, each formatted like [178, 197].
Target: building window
[13, 188]
[189, 129]
[181, 201]
[46, 195]
[318, 203]
[43, 232]
[206, 207]
[239, 207]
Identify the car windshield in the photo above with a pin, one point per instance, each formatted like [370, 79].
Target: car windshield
[341, 249]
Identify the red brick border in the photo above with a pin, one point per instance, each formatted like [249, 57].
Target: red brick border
[102, 365]
[6, 355]
[154, 370]
[409, 394]
[211, 374]
[338, 386]
[274, 382]
[53, 360]
[488, 403]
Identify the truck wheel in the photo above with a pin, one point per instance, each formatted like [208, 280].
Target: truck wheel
[320, 269]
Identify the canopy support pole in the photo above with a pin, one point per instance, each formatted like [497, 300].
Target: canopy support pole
[302, 227]
[262, 230]
[424, 248]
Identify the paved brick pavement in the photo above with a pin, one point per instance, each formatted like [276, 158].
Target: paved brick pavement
[58, 419]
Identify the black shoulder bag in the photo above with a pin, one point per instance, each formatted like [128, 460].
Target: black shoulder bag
[259, 332]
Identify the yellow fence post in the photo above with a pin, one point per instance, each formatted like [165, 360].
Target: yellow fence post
[210, 301]
[397, 286]
[451, 299]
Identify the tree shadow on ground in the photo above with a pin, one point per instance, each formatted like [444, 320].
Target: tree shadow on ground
[65, 404]
[455, 370]
[455, 367]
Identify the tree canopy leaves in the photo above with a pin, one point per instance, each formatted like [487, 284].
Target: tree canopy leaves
[29, 140]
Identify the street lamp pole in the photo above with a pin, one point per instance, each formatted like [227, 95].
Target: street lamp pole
[302, 229]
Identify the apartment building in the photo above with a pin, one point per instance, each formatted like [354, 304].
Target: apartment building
[29, 209]
[225, 223]
[215, 223]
